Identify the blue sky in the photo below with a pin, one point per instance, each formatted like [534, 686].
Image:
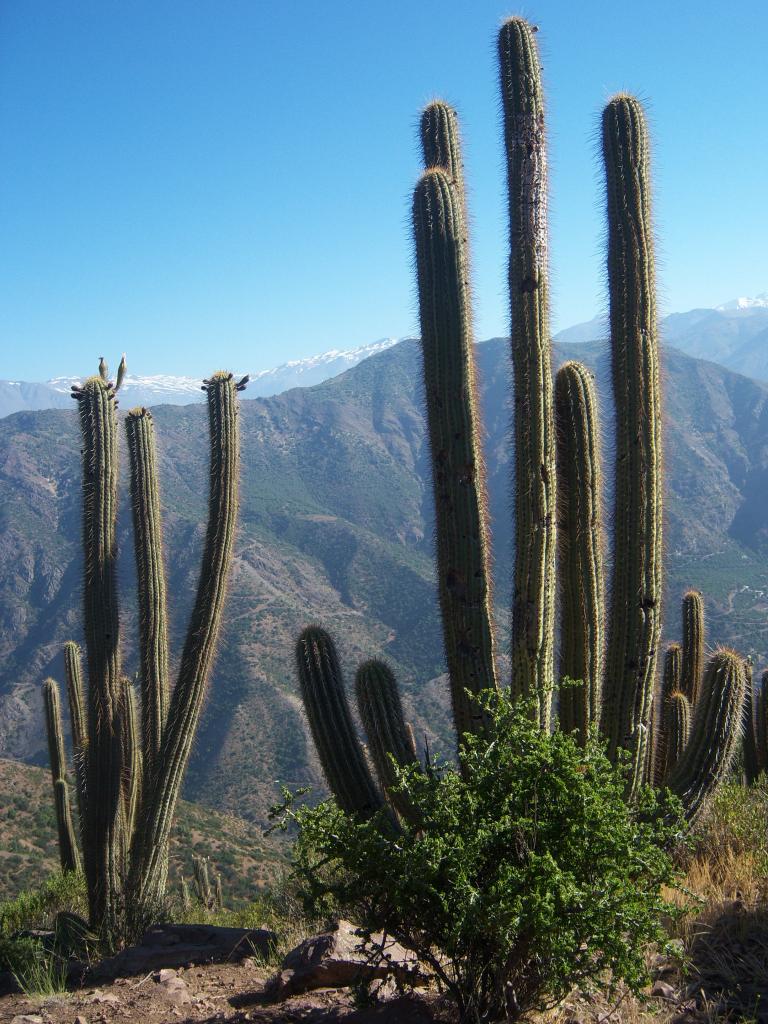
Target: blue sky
[210, 183]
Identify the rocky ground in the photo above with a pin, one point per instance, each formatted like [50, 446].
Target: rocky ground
[325, 978]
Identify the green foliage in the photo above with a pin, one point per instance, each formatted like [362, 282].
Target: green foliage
[37, 908]
[527, 874]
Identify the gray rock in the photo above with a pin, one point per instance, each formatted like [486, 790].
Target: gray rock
[176, 945]
[337, 959]
[662, 990]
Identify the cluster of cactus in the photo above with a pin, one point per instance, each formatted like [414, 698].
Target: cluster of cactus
[608, 647]
[128, 766]
[206, 895]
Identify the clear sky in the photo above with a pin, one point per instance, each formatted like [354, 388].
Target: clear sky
[227, 182]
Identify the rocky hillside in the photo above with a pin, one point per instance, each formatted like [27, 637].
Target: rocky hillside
[336, 526]
[29, 851]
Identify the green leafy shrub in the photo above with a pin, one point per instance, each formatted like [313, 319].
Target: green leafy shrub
[38, 908]
[526, 875]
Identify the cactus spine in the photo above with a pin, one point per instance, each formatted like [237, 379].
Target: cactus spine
[129, 776]
[379, 706]
[533, 606]
[68, 851]
[693, 644]
[325, 702]
[579, 531]
[635, 621]
[458, 473]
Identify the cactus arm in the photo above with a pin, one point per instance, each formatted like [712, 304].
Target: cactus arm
[77, 716]
[714, 736]
[325, 703]
[579, 532]
[441, 141]
[149, 862]
[381, 712]
[102, 833]
[693, 644]
[150, 573]
[676, 716]
[751, 755]
[533, 607]
[670, 683]
[635, 622]
[458, 472]
[130, 737]
[69, 854]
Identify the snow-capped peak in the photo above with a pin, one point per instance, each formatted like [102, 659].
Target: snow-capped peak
[757, 302]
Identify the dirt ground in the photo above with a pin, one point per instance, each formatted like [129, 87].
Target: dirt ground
[215, 994]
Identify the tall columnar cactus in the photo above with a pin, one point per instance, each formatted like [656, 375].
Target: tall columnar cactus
[129, 775]
[579, 531]
[104, 836]
[715, 733]
[150, 573]
[68, 851]
[635, 616]
[381, 712]
[693, 644]
[325, 701]
[458, 473]
[533, 608]
[618, 685]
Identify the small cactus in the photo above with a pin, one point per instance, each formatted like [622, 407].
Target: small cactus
[379, 706]
[325, 702]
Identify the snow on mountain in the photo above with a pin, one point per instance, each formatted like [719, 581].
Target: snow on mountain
[757, 302]
[19, 396]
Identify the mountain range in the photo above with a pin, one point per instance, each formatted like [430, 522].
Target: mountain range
[734, 334]
[336, 527]
[18, 396]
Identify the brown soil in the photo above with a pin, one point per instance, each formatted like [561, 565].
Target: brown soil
[214, 994]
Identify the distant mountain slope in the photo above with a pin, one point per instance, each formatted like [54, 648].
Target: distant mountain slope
[734, 334]
[29, 850]
[20, 396]
[336, 526]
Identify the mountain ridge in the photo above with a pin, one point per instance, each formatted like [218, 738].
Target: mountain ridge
[336, 525]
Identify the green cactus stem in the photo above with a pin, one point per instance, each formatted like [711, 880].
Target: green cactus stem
[130, 738]
[579, 532]
[635, 616]
[149, 861]
[69, 854]
[102, 835]
[325, 703]
[672, 674]
[458, 472]
[150, 573]
[676, 718]
[441, 141]
[749, 728]
[381, 712]
[693, 644]
[78, 722]
[714, 736]
[533, 609]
